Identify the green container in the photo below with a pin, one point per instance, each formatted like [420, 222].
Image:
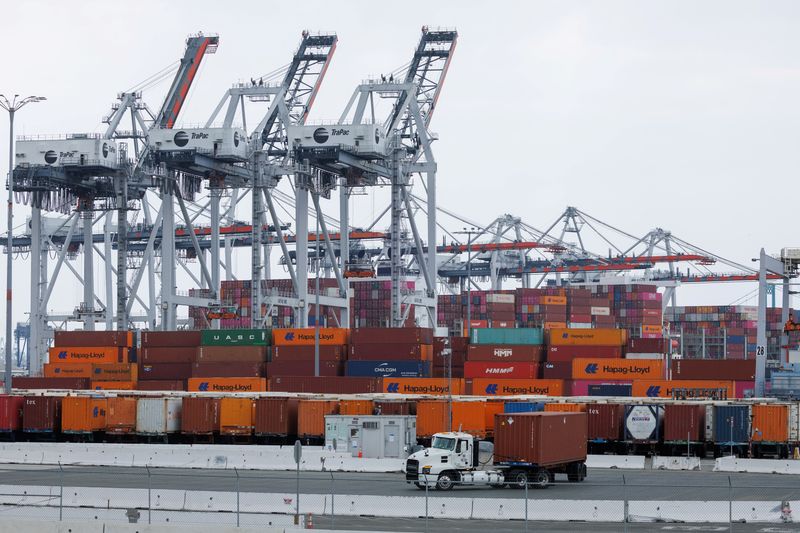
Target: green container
[235, 337]
[507, 336]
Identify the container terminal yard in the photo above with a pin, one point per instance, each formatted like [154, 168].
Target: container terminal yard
[424, 334]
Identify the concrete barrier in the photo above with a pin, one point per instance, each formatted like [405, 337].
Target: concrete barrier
[615, 461]
[676, 463]
[757, 466]
[45, 526]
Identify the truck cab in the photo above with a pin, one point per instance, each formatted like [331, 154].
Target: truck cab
[453, 458]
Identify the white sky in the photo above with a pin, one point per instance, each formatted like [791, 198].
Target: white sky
[674, 114]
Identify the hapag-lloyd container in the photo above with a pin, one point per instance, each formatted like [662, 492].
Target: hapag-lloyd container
[684, 422]
[200, 416]
[590, 368]
[158, 416]
[432, 417]
[605, 422]
[276, 417]
[506, 353]
[234, 384]
[88, 354]
[488, 369]
[643, 423]
[512, 336]
[388, 369]
[687, 388]
[82, 414]
[515, 387]
[235, 337]
[356, 407]
[558, 407]
[236, 416]
[306, 337]
[113, 385]
[610, 389]
[67, 370]
[41, 414]
[311, 417]
[543, 439]
[93, 338]
[115, 371]
[568, 353]
[121, 415]
[10, 413]
[587, 337]
[580, 387]
[391, 336]
[433, 386]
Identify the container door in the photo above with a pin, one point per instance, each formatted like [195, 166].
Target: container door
[354, 442]
[391, 441]
[371, 439]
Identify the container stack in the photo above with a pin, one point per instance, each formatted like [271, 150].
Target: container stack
[541, 308]
[579, 308]
[166, 359]
[394, 352]
[449, 313]
[293, 352]
[452, 351]
[371, 303]
[591, 356]
[638, 310]
[231, 360]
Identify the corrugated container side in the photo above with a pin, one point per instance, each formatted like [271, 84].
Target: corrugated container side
[682, 422]
[162, 385]
[88, 354]
[41, 414]
[391, 336]
[323, 385]
[490, 409]
[311, 416]
[93, 338]
[227, 369]
[544, 439]
[565, 408]
[515, 387]
[235, 384]
[10, 413]
[731, 424]
[770, 423]
[467, 415]
[236, 416]
[223, 354]
[307, 336]
[395, 408]
[67, 370]
[587, 337]
[434, 386]
[121, 415]
[235, 337]
[170, 338]
[82, 414]
[523, 407]
[113, 385]
[505, 353]
[605, 422]
[590, 368]
[356, 407]
[714, 369]
[115, 371]
[50, 383]
[199, 416]
[306, 353]
[158, 416]
[507, 336]
[169, 355]
[276, 417]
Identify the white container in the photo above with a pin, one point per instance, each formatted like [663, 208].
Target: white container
[158, 416]
[226, 144]
[373, 436]
[600, 311]
[71, 151]
[499, 298]
[654, 356]
[365, 139]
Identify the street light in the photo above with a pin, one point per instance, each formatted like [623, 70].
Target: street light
[12, 107]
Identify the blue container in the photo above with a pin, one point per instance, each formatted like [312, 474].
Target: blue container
[724, 432]
[735, 339]
[610, 389]
[523, 407]
[388, 369]
[528, 336]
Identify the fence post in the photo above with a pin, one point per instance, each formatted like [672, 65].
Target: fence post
[625, 504]
[333, 492]
[426, 505]
[730, 505]
[526, 504]
[60, 492]
[149, 494]
[237, 495]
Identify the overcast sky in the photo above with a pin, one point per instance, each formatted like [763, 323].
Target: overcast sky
[679, 115]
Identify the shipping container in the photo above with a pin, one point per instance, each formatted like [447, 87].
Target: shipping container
[432, 417]
[395, 408]
[236, 416]
[83, 414]
[388, 369]
[390, 352]
[88, 354]
[162, 385]
[222, 354]
[200, 416]
[311, 417]
[486, 369]
[731, 425]
[323, 385]
[114, 372]
[152, 339]
[227, 370]
[113, 385]
[304, 368]
[514, 387]
[607, 389]
[605, 422]
[644, 423]
[433, 386]
[744, 389]
[543, 439]
[307, 336]
[67, 370]
[507, 336]
[93, 338]
[306, 353]
[121, 415]
[391, 336]
[565, 408]
[770, 423]
[683, 389]
[523, 407]
[590, 368]
[158, 416]
[234, 384]
[492, 408]
[11, 413]
[568, 353]
[587, 337]
[28, 383]
[356, 407]
[165, 371]
[684, 423]
[714, 369]
[169, 354]
[41, 414]
[276, 417]
[557, 370]
[580, 387]
[506, 353]
[235, 337]
[647, 345]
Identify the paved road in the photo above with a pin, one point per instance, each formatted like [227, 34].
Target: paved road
[601, 484]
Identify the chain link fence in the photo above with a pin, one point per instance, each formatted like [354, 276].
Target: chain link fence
[385, 502]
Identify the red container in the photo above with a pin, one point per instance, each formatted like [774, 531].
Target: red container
[306, 353]
[199, 416]
[605, 421]
[93, 338]
[392, 408]
[682, 422]
[717, 369]
[483, 369]
[557, 370]
[391, 336]
[11, 413]
[51, 383]
[227, 370]
[545, 439]
[170, 338]
[165, 371]
[224, 354]
[276, 417]
[568, 353]
[505, 353]
[744, 389]
[162, 385]
[325, 385]
[305, 368]
[41, 414]
[175, 354]
[646, 346]
[391, 352]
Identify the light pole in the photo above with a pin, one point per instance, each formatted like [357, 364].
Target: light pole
[469, 232]
[12, 107]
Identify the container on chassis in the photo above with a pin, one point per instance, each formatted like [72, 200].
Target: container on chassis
[10, 413]
[276, 417]
[200, 416]
[730, 426]
[41, 414]
[158, 416]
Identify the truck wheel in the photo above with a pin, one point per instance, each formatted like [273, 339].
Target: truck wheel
[445, 481]
[583, 471]
[517, 479]
[541, 480]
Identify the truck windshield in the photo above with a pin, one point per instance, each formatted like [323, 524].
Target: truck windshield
[443, 443]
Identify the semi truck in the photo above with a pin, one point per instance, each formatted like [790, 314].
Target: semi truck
[529, 449]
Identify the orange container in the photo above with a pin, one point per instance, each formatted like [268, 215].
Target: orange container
[565, 407]
[236, 416]
[433, 386]
[82, 414]
[113, 385]
[652, 330]
[554, 300]
[606, 368]
[492, 408]
[311, 416]
[662, 388]
[554, 325]
[67, 370]
[770, 423]
[115, 371]
[468, 416]
[587, 337]
[356, 407]
[513, 387]
[227, 385]
[89, 354]
[305, 336]
[121, 415]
